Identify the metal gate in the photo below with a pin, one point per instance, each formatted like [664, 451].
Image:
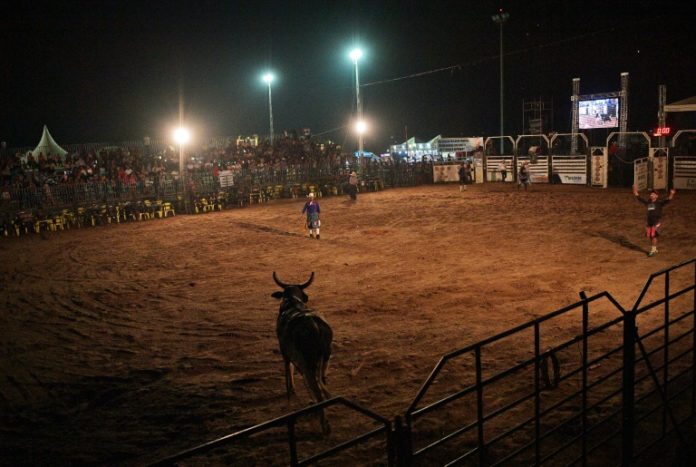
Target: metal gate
[623, 149]
[683, 152]
[499, 149]
[538, 167]
[569, 170]
[569, 161]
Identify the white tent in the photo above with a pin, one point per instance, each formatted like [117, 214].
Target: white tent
[684, 105]
[47, 145]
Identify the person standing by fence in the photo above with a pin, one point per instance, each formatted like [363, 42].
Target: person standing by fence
[523, 177]
[311, 208]
[462, 177]
[353, 185]
[654, 222]
[503, 170]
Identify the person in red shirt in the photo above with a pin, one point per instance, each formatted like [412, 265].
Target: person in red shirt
[654, 221]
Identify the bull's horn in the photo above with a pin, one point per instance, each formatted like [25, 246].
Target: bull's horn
[277, 281]
[306, 284]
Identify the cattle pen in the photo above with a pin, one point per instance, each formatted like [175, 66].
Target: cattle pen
[125, 344]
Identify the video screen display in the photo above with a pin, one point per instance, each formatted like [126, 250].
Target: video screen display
[599, 113]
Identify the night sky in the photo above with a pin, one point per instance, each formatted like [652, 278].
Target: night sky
[109, 71]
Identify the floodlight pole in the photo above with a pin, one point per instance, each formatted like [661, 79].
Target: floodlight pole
[355, 55]
[182, 172]
[270, 109]
[499, 19]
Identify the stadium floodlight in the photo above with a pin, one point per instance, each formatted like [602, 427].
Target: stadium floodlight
[268, 79]
[356, 54]
[182, 136]
[360, 127]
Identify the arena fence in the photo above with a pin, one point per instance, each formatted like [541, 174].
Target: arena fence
[586, 387]
[328, 179]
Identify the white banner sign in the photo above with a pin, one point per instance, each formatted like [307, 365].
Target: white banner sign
[226, 178]
[572, 178]
[445, 173]
[640, 174]
[660, 172]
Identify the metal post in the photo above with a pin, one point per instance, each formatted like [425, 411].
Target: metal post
[499, 19]
[585, 329]
[479, 407]
[661, 117]
[537, 396]
[358, 108]
[665, 355]
[693, 350]
[628, 381]
[623, 109]
[502, 87]
[292, 440]
[575, 111]
[182, 175]
[270, 109]
[399, 451]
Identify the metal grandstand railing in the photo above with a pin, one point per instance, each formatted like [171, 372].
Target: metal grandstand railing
[552, 406]
[57, 196]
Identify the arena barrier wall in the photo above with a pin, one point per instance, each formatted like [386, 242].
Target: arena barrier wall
[684, 172]
[493, 172]
[538, 167]
[497, 148]
[587, 387]
[570, 170]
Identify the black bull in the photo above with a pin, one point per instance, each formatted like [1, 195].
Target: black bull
[305, 341]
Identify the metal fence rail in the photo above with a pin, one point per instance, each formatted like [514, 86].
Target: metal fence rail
[324, 177]
[289, 421]
[554, 409]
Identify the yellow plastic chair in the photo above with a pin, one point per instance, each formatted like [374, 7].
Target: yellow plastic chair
[68, 218]
[167, 208]
[255, 196]
[58, 222]
[146, 212]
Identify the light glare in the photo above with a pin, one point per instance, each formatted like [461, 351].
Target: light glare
[182, 135]
[360, 127]
[268, 77]
[355, 55]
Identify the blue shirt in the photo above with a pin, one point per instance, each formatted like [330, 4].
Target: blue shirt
[311, 207]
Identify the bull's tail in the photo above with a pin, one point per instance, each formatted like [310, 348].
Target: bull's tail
[317, 357]
[315, 381]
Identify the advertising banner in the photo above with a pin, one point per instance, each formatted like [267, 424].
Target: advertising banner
[599, 166]
[659, 168]
[640, 173]
[445, 173]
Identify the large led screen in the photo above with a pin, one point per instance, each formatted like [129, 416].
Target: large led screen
[599, 113]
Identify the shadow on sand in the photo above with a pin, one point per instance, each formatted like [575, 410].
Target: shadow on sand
[619, 240]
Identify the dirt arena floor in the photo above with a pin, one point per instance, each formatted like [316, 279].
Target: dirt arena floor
[126, 343]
